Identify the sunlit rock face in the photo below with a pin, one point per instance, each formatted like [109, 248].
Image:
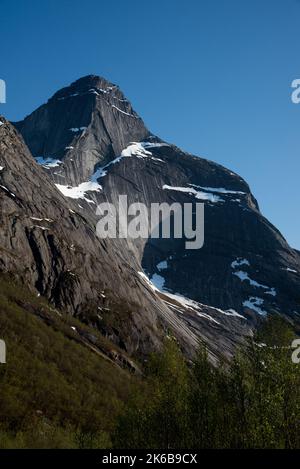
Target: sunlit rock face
[89, 147]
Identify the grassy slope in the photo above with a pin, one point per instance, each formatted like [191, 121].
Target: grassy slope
[54, 390]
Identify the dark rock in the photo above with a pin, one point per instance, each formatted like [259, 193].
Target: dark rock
[244, 270]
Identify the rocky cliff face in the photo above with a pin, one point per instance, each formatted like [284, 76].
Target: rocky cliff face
[91, 118]
[91, 147]
[51, 247]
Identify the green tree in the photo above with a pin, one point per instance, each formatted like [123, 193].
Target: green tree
[157, 415]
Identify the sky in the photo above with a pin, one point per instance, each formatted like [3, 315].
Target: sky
[211, 76]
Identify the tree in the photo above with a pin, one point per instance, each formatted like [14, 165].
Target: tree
[156, 416]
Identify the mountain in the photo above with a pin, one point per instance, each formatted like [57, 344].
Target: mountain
[86, 146]
[53, 248]
[91, 118]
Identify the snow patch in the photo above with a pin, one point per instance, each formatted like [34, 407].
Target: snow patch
[42, 219]
[123, 112]
[227, 312]
[147, 280]
[271, 292]
[44, 228]
[162, 265]
[137, 149]
[79, 192]
[206, 316]
[7, 190]
[155, 145]
[233, 312]
[47, 162]
[189, 304]
[219, 190]
[77, 129]
[198, 194]
[244, 276]
[255, 304]
[238, 262]
[158, 281]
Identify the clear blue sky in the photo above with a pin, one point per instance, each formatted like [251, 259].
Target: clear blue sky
[212, 76]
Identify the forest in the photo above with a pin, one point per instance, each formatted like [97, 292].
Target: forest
[55, 393]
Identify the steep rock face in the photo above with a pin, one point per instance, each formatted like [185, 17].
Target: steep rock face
[48, 245]
[218, 293]
[49, 242]
[245, 263]
[92, 118]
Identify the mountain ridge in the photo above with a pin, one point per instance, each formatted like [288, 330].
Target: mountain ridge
[93, 151]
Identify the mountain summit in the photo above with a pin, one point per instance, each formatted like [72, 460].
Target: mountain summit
[89, 146]
[91, 117]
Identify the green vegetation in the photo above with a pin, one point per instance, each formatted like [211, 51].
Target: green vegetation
[55, 392]
[253, 403]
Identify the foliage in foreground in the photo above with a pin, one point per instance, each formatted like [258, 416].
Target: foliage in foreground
[255, 403]
[55, 393]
